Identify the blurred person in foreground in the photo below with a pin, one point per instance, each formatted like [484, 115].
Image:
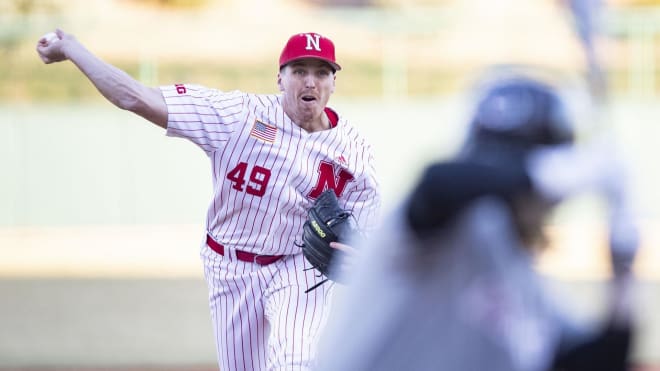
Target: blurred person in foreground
[448, 282]
[272, 155]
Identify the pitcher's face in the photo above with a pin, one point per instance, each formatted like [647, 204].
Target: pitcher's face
[306, 87]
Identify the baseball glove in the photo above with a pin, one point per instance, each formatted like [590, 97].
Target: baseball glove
[326, 222]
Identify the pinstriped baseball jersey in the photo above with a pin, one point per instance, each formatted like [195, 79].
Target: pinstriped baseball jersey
[266, 169]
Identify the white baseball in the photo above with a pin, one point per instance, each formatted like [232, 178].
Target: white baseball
[51, 37]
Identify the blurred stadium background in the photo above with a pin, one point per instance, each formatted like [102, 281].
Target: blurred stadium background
[101, 215]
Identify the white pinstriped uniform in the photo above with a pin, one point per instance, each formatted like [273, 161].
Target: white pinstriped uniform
[266, 173]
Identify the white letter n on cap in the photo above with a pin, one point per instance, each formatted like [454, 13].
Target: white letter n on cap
[312, 42]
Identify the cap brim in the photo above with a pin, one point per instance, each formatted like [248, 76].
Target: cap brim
[331, 63]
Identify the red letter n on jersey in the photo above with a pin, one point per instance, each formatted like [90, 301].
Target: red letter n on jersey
[328, 179]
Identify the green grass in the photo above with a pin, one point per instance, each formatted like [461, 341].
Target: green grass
[25, 80]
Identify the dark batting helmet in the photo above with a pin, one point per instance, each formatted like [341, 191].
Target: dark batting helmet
[515, 115]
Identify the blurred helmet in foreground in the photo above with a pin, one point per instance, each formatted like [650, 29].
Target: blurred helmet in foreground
[515, 115]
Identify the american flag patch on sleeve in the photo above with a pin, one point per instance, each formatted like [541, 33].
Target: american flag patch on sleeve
[264, 132]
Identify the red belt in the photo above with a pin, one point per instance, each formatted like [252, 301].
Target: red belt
[243, 255]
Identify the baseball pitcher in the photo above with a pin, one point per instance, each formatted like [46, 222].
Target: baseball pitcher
[271, 156]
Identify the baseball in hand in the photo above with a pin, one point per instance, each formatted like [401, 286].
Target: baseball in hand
[51, 37]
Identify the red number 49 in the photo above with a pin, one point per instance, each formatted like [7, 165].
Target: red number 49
[258, 180]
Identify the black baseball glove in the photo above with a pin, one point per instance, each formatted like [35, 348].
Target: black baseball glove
[326, 222]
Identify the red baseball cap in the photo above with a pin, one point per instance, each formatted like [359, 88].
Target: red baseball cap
[309, 45]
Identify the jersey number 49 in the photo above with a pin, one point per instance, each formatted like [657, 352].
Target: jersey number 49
[258, 180]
